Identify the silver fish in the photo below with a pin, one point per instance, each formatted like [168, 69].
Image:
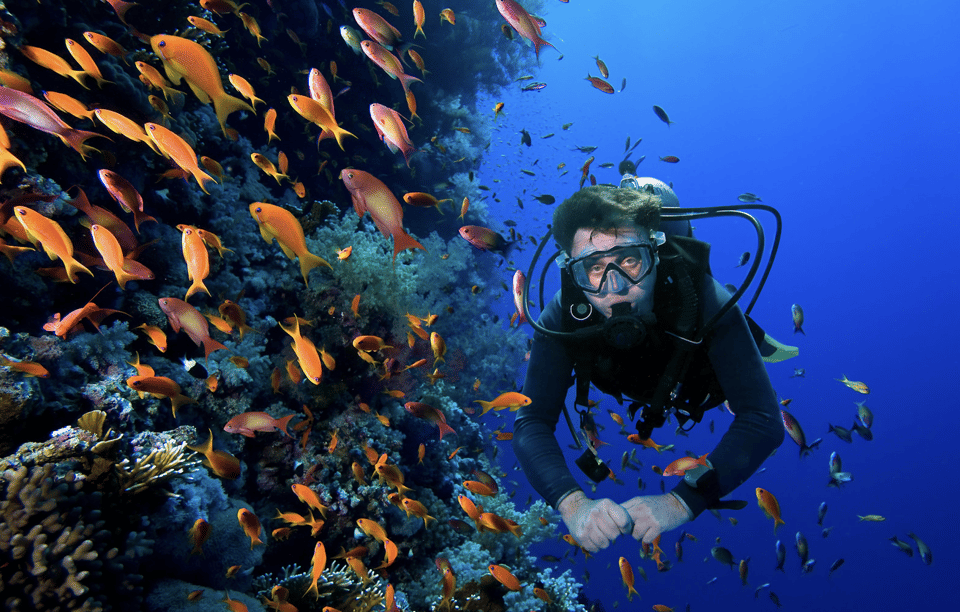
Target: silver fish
[821, 512]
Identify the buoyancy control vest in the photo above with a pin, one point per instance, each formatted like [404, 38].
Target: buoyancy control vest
[662, 366]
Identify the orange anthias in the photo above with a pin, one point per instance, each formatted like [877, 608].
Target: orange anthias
[222, 463]
[185, 316]
[770, 506]
[184, 59]
[280, 224]
[48, 234]
[369, 194]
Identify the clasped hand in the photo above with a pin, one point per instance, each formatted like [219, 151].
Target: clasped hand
[595, 524]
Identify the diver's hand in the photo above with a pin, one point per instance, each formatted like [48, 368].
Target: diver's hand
[655, 514]
[595, 524]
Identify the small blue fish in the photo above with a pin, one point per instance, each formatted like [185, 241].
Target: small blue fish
[744, 258]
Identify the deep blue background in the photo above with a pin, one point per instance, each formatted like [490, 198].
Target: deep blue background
[844, 116]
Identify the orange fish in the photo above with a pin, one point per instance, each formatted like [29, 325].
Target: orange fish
[152, 78]
[184, 59]
[269, 124]
[183, 315]
[262, 162]
[160, 386]
[372, 529]
[510, 399]
[249, 423]
[390, 552]
[246, 90]
[600, 84]
[126, 195]
[309, 497]
[419, 16]
[370, 194]
[412, 506]
[423, 200]
[105, 44]
[71, 322]
[768, 503]
[277, 223]
[681, 465]
[179, 151]
[124, 126]
[197, 258]
[112, 253]
[498, 524]
[52, 61]
[317, 565]
[222, 463]
[430, 414]
[376, 27]
[206, 25]
[27, 368]
[306, 352]
[389, 63]
[27, 109]
[521, 21]
[236, 316]
[504, 577]
[82, 57]
[390, 129]
[198, 535]
[251, 526]
[626, 572]
[48, 234]
[68, 104]
[155, 336]
[475, 486]
[449, 16]
[315, 112]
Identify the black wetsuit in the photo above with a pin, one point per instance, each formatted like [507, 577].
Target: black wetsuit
[756, 430]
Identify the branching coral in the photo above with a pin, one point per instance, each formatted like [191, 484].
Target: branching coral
[160, 465]
[56, 549]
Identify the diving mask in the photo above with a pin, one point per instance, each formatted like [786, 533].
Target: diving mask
[615, 269]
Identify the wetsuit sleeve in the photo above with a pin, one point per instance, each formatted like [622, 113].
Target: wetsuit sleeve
[549, 376]
[756, 430]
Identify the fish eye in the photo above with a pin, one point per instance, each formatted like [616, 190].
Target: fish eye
[162, 43]
[259, 209]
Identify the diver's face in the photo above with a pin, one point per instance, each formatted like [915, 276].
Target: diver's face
[616, 288]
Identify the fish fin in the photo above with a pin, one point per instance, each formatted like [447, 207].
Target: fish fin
[403, 241]
[309, 261]
[225, 105]
[210, 345]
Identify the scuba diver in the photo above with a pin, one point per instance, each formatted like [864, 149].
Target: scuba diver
[640, 315]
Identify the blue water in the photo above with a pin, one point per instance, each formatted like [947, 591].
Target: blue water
[843, 116]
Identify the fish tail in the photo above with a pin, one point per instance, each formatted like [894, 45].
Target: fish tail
[283, 423]
[538, 43]
[73, 267]
[403, 241]
[419, 31]
[180, 400]
[309, 261]
[406, 79]
[78, 76]
[202, 179]
[196, 287]
[210, 345]
[444, 428]
[225, 105]
[339, 133]
[75, 140]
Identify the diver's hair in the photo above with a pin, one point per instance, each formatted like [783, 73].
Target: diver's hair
[603, 208]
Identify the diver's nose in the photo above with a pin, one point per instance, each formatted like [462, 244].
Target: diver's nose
[615, 283]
